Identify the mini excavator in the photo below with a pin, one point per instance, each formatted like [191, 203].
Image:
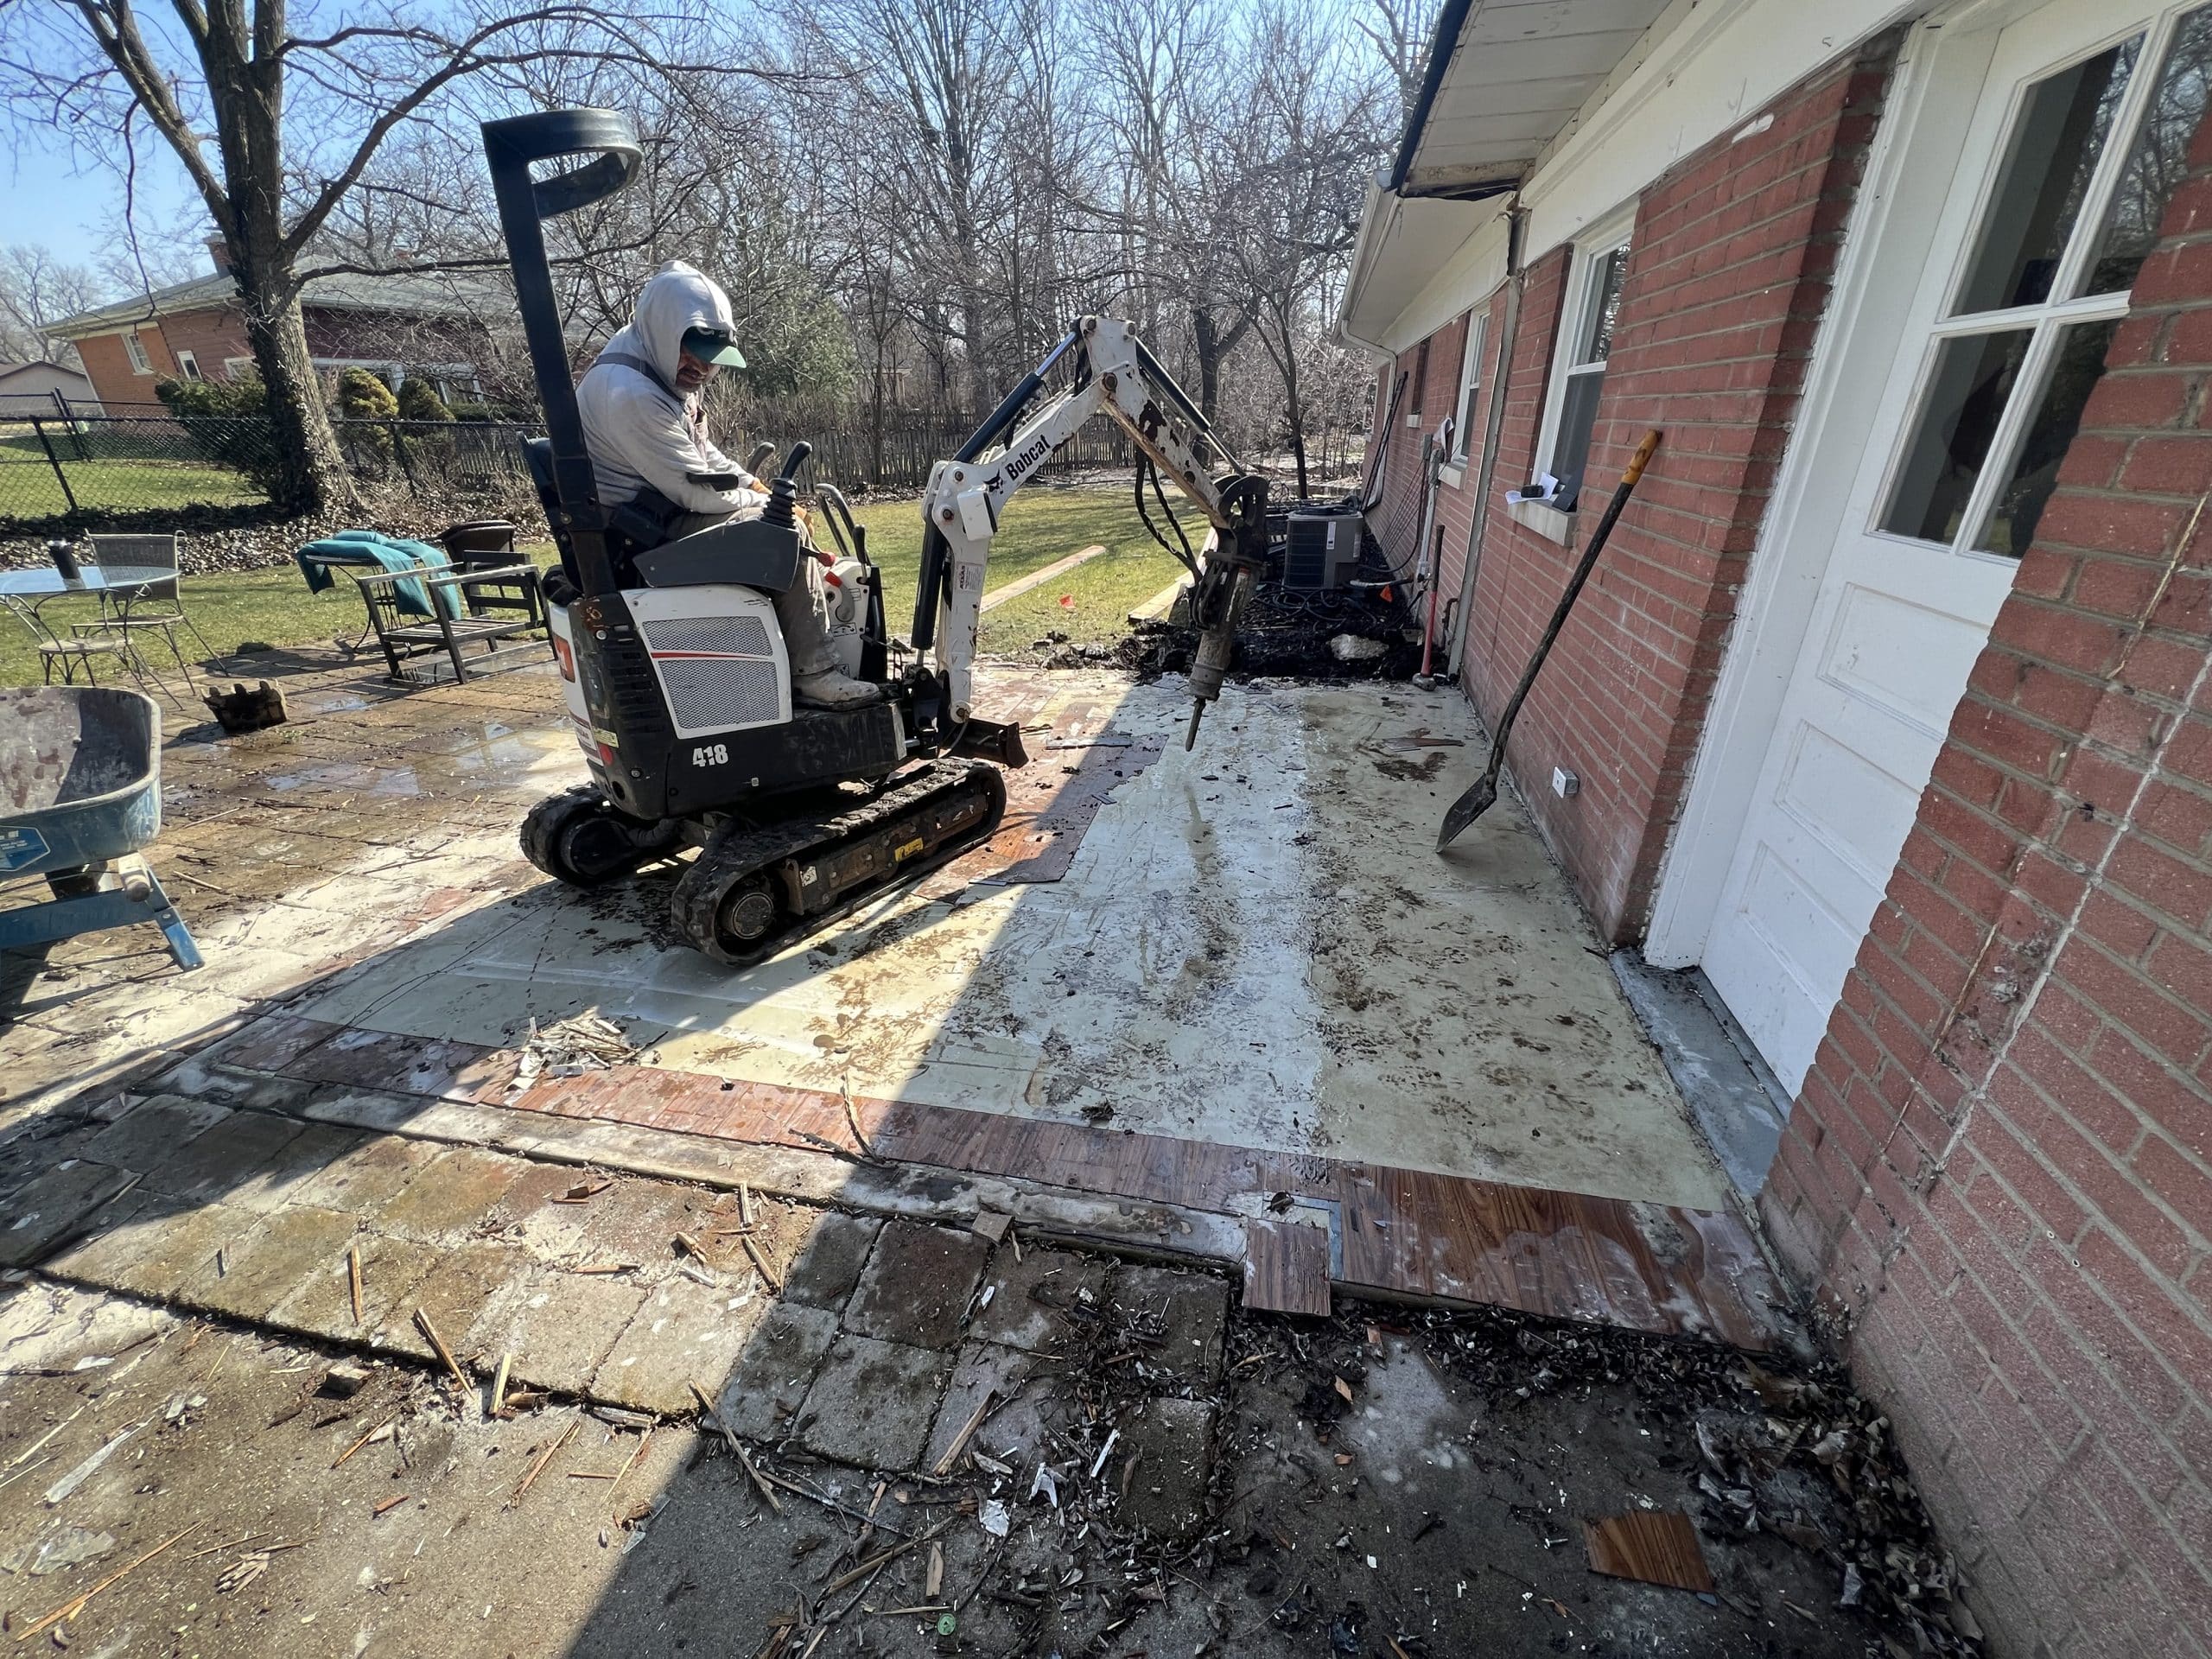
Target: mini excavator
[672, 665]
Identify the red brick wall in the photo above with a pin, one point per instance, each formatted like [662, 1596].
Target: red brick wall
[114, 381]
[2000, 1166]
[213, 336]
[1733, 252]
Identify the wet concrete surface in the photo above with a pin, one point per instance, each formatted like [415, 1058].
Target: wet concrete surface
[1254, 946]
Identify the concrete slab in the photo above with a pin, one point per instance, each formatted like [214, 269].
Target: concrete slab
[1011, 1429]
[155, 1245]
[559, 1326]
[684, 1334]
[1171, 1446]
[450, 1194]
[368, 1176]
[872, 1403]
[251, 1274]
[152, 1132]
[830, 1265]
[227, 1152]
[1188, 1313]
[44, 1211]
[392, 1269]
[456, 1294]
[917, 1285]
[1230, 958]
[1029, 1299]
[769, 1382]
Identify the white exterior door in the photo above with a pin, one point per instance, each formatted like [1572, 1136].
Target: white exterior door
[2053, 144]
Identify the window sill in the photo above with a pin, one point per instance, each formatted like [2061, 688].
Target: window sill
[1545, 520]
[1454, 476]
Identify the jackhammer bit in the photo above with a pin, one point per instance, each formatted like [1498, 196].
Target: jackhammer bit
[1217, 602]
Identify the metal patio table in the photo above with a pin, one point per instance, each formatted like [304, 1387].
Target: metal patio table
[22, 592]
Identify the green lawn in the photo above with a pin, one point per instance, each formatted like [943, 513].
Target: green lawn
[143, 465]
[1043, 525]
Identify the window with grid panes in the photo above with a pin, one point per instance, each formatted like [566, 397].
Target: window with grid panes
[2094, 153]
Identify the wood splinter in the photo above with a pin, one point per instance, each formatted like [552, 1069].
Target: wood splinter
[430, 1335]
[708, 1415]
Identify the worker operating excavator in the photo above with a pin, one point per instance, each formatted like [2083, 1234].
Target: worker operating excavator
[644, 428]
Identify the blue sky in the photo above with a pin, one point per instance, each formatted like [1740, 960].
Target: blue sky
[47, 195]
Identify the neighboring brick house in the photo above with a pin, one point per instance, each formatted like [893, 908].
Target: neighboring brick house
[429, 323]
[1891, 701]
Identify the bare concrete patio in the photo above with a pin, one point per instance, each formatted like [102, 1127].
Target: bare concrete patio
[996, 1155]
[1213, 981]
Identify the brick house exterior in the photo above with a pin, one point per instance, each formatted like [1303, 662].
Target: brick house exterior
[399, 325]
[1997, 1170]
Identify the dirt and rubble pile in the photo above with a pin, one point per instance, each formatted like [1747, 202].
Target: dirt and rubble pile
[1290, 635]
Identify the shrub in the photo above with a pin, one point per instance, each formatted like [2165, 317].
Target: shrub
[228, 422]
[419, 401]
[363, 397]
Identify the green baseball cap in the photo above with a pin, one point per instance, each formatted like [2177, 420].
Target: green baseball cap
[713, 345]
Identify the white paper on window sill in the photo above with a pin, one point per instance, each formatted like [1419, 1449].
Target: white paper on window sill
[1546, 490]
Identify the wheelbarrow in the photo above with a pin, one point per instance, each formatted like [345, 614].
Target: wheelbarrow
[81, 794]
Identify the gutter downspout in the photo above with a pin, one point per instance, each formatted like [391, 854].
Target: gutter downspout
[1516, 226]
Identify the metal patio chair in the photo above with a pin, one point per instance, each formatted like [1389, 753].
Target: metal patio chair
[157, 606]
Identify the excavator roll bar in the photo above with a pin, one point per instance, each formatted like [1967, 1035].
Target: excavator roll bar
[510, 147]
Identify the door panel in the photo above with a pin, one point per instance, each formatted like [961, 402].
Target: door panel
[2074, 105]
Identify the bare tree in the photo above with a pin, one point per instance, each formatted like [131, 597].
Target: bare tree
[37, 291]
[215, 81]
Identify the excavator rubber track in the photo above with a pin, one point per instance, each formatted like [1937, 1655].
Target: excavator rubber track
[577, 837]
[756, 888]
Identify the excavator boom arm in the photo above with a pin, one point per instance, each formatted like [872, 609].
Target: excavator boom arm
[967, 497]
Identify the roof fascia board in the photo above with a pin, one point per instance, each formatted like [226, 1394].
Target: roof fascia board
[1704, 66]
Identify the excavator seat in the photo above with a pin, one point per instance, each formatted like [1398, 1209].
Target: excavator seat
[745, 552]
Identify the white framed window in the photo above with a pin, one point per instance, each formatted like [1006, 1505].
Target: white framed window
[1585, 342]
[134, 349]
[2092, 160]
[188, 365]
[1470, 379]
[237, 368]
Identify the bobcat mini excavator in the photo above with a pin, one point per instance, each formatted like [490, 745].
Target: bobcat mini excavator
[673, 667]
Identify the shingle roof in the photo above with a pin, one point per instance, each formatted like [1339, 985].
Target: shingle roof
[428, 293]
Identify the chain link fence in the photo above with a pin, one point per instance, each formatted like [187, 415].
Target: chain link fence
[63, 466]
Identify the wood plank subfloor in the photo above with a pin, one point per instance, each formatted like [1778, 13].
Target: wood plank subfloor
[1666, 1269]
[1286, 1267]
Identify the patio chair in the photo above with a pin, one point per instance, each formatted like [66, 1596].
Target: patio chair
[499, 609]
[480, 544]
[84, 645]
[159, 604]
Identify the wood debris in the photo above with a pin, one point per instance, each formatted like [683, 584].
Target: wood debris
[545, 1457]
[1650, 1547]
[353, 1279]
[709, 1418]
[438, 1344]
[71, 1608]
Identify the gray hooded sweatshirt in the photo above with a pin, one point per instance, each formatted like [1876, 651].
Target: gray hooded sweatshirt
[638, 430]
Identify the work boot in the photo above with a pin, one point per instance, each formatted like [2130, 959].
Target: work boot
[831, 688]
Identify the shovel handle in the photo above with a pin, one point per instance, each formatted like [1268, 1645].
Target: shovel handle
[1641, 458]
